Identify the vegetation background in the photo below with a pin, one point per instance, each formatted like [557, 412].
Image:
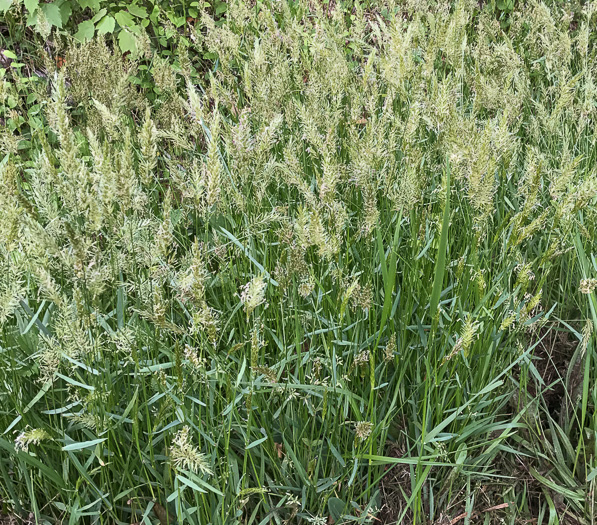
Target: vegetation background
[298, 262]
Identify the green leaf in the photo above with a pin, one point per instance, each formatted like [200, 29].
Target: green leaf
[106, 25]
[440, 263]
[74, 382]
[53, 15]
[559, 489]
[255, 443]
[336, 454]
[5, 5]
[127, 42]
[124, 19]
[31, 18]
[299, 467]
[94, 5]
[388, 269]
[43, 391]
[9, 54]
[136, 10]
[65, 11]
[178, 21]
[129, 407]
[251, 258]
[86, 31]
[336, 507]
[190, 483]
[31, 5]
[193, 477]
[98, 15]
[83, 444]
[14, 422]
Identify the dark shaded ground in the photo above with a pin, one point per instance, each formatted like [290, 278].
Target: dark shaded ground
[395, 490]
[552, 359]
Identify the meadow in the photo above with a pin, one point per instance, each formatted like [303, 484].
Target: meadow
[298, 262]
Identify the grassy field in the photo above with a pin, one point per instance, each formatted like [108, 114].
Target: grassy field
[298, 262]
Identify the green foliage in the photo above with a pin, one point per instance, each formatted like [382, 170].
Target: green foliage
[297, 262]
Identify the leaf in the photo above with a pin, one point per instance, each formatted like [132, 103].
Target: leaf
[130, 406]
[106, 25]
[124, 19]
[389, 273]
[193, 477]
[83, 444]
[136, 10]
[574, 496]
[146, 512]
[255, 443]
[190, 483]
[94, 5]
[336, 454]
[14, 422]
[440, 263]
[5, 5]
[98, 15]
[336, 507]
[85, 32]
[127, 42]
[43, 391]
[52, 14]
[246, 252]
[299, 468]
[31, 5]
[39, 323]
[65, 11]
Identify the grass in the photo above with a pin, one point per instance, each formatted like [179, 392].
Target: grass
[344, 273]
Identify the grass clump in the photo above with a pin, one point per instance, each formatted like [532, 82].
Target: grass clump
[338, 278]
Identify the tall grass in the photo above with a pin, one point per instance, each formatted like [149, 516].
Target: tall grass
[317, 286]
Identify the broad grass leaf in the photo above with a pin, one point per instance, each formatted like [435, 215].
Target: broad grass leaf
[83, 445]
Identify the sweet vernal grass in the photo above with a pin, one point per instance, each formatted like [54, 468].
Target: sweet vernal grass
[318, 284]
